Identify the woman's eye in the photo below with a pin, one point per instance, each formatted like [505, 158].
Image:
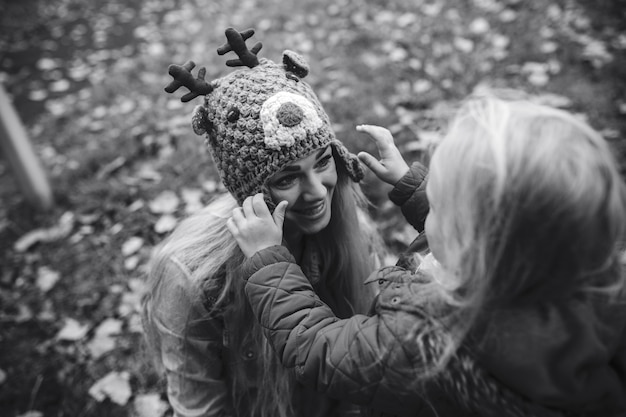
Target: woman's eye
[324, 162]
[285, 182]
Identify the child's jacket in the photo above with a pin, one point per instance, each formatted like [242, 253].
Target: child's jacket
[565, 359]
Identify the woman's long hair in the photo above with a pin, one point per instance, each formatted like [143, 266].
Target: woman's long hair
[532, 208]
[203, 244]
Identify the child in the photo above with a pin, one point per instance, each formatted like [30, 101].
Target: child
[526, 223]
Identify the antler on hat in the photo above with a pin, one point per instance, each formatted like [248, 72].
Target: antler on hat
[237, 43]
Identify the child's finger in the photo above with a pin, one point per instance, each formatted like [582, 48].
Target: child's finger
[259, 206]
[237, 216]
[248, 210]
[381, 135]
[232, 227]
[371, 162]
[279, 214]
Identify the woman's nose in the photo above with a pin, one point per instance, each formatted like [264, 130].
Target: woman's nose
[314, 187]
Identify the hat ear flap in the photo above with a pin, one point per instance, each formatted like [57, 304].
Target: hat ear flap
[349, 161]
[200, 120]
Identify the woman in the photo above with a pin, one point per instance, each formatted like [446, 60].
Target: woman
[266, 132]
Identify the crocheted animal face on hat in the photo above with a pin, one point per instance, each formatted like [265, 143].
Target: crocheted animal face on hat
[259, 119]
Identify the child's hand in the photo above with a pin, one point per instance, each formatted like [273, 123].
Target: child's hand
[254, 227]
[391, 165]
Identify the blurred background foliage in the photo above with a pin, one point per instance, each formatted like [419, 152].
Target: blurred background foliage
[87, 79]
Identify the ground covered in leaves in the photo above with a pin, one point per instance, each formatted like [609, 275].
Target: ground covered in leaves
[87, 80]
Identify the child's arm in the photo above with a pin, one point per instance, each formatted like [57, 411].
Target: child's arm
[409, 183]
[348, 359]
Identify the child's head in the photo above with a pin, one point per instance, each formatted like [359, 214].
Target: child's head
[527, 203]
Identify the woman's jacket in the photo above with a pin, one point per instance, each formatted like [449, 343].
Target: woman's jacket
[199, 355]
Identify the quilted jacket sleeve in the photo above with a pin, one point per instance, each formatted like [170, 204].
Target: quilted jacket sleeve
[192, 360]
[410, 194]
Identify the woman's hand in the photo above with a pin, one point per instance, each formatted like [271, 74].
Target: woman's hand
[254, 227]
[391, 166]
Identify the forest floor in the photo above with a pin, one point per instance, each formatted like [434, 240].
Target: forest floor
[123, 162]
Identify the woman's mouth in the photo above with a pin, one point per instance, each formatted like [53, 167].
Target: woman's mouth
[312, 211]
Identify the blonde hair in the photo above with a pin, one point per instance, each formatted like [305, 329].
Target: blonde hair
[532, 208]
[203, 244]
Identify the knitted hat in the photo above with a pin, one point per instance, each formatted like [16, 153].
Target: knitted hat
[259, 119]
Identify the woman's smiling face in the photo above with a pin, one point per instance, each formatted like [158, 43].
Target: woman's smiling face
[308, 186]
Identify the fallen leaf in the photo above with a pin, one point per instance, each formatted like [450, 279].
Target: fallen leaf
[166, 223]
[111, 167]
[72, 330]
[100, 345]
[131, 300]
[192, 198]
[46, 278]
[109, 326]
[479, 26]
[48, 64]
[24, 313]
[134, 323]
[38, 95]
[126, 106]
[88, 218]
[150, 405]
[421, 86]
[508, 16]
[60, 86]
[131, 262]
[61, 230]
[536, 73]
[538, 79]
[47, 312]
[31, 413]
[597, 53]
[548, 47]
[136, 205]
[116, 228]
[463, 44]
[115, 386]
[132, 246]
[166, 202]
[147, 172]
